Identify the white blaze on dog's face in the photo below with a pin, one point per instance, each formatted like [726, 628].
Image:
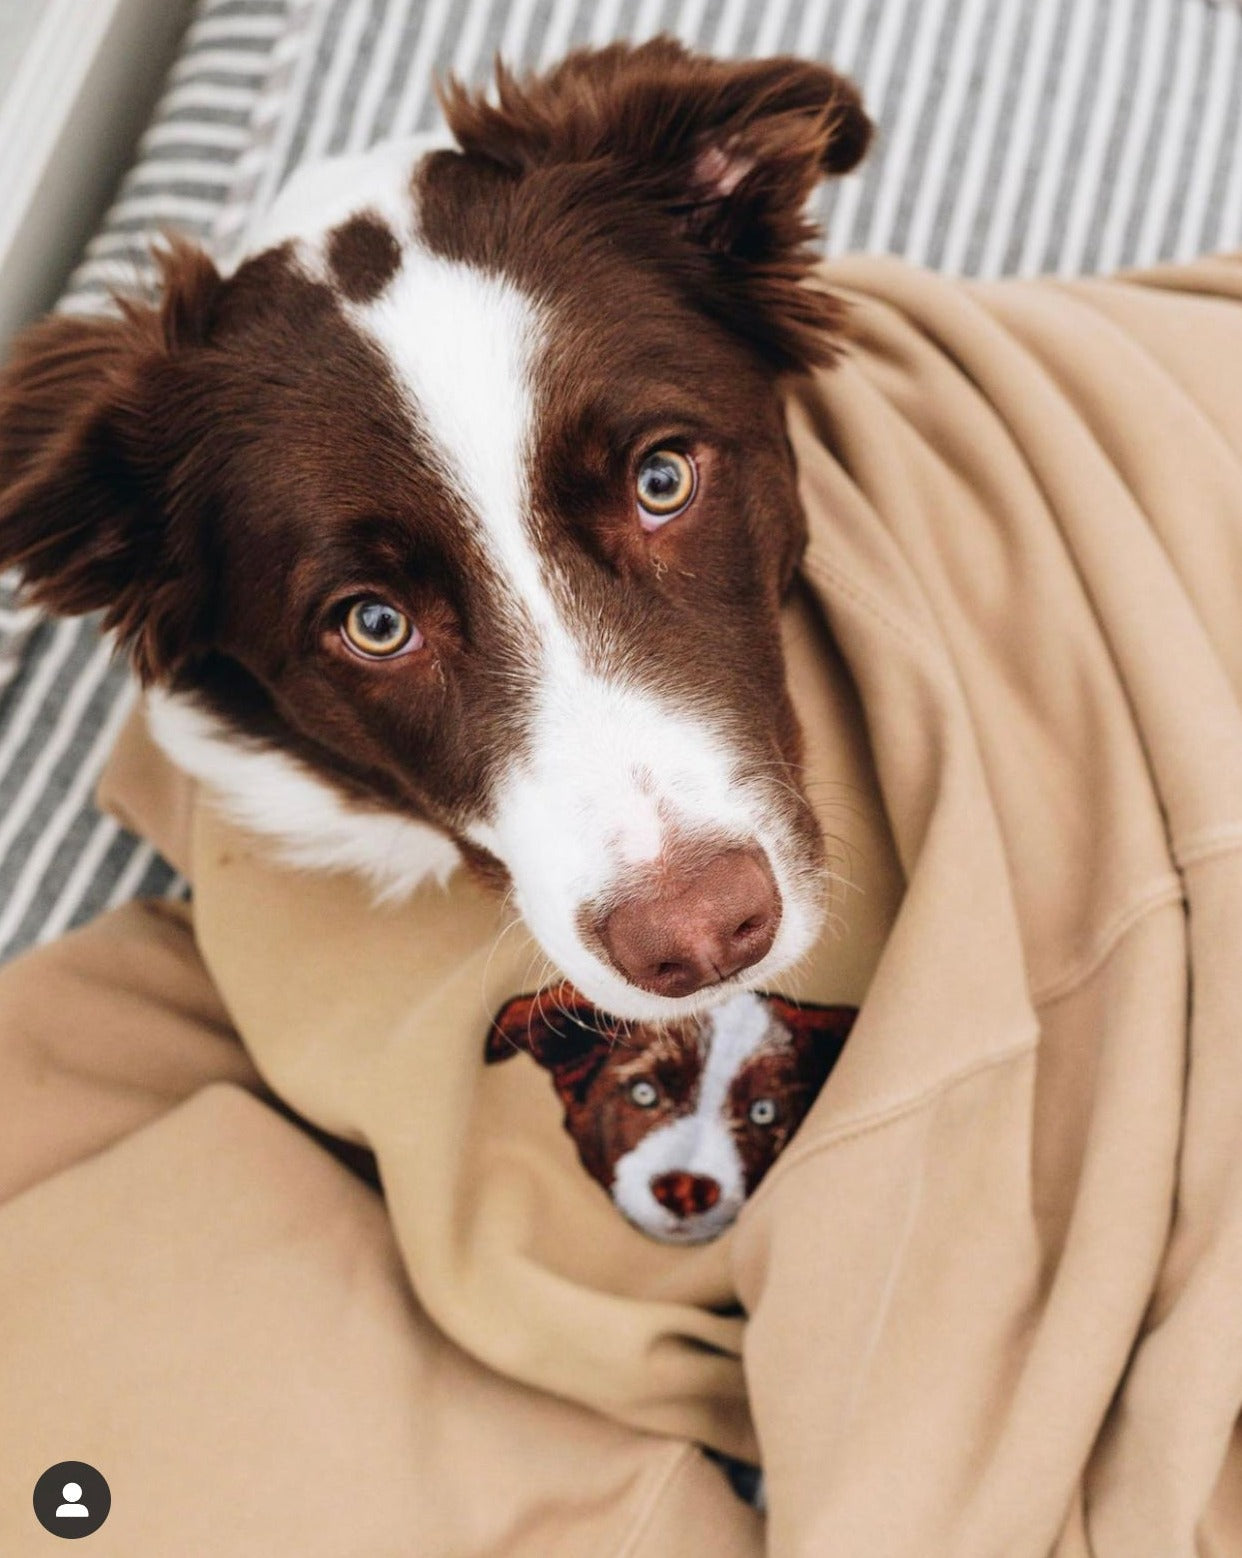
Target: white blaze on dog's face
[680, 1121]
[458, 519]
[617, 776]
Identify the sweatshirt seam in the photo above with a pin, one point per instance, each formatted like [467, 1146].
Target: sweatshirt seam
[1165, 890]
[1207, 843]
[655, 1496]
[1026, 1045]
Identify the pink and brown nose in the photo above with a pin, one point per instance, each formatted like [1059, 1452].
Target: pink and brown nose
[685, 1195]
[697, 926]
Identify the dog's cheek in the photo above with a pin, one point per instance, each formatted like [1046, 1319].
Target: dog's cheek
[588, 1127]
[789, 737]
[786, 524]
[758, 1150]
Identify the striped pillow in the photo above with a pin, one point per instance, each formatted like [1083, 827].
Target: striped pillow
[1015, 136]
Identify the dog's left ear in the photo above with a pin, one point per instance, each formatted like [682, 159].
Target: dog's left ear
[727, 151]
[93, 463]
[564, 1033]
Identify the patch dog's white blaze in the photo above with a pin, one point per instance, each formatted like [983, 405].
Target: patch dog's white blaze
[701, 1142]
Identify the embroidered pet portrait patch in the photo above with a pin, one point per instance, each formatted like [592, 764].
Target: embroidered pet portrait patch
[678, 1121]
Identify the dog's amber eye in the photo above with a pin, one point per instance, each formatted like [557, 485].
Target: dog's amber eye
[665, 483]
[762, 1111]
[645, 1094]
[378, 631]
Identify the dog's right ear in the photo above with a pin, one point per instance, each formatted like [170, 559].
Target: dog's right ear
[561, 1031]
[708, 162]
[92, 429]
[818, 1034]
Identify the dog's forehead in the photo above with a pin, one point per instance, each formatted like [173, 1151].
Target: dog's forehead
[462, 341]
[740, 1027]
[647, 1047]
[463, 344]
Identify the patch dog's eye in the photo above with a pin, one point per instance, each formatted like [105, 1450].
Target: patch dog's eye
[645, 1094]
[665, 482]
[378, 631]
[762, 1111]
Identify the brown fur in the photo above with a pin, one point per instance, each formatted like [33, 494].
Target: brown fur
[223, 473]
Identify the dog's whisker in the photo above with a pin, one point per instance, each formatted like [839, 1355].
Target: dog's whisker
[514, 920]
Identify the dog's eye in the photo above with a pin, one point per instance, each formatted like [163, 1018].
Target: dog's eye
[645, 1094]
[665, 482]
[762, 1111]
[378, 631]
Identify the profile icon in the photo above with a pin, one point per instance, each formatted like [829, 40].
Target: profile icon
[72, 1509]
[72, 1499]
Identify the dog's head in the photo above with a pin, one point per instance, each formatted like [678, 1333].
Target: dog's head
[456, 520]
[678, 1121]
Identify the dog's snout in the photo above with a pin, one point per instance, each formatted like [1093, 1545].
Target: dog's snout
[696, 926]
[685, 1195]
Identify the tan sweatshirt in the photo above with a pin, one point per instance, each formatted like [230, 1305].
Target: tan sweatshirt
[993, 1289]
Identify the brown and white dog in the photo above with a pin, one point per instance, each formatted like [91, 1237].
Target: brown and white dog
[678, 1121]
[455, 521]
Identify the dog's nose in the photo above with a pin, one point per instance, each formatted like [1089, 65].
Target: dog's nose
[700, 925]
[685, 1195]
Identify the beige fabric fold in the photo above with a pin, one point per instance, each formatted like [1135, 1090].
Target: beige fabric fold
[101, 1034]
[993, 1290]
[209, 1309]
[1013, 1221]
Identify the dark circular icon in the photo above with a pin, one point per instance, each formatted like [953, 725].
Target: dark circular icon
[71, 1499]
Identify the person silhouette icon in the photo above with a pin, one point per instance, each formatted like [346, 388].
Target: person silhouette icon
[71, 1499]
[72, 1508]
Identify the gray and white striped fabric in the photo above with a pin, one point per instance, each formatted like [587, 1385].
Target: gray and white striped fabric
[1016, 136]
[62, 694]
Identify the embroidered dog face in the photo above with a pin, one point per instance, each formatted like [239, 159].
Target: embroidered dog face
[678, 1121]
